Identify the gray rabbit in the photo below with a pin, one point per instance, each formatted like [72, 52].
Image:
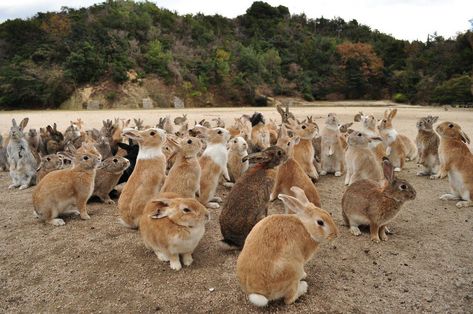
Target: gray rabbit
[20, 158]
[3, 156]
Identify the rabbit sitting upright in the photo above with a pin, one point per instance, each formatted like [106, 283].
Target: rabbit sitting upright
[20, 159]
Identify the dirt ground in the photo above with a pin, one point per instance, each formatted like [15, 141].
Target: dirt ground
[100, 266]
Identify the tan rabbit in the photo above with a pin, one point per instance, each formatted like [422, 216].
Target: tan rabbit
[290, 173]
[398, 146]
[456, 161]
[148, 175]
[237, 150]
[168, 127]
[260, 137]
[184, 177]
[366, 203]
[369, 124]
[49, 163]
[361, 161]
[427, 142]
[107, 177]
[66, 191]
[304, 151]
[248, 200]
[173, 228]
[213, 163]
[332, 156]
[271, 264]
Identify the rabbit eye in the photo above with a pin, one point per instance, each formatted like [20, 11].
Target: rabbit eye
[359, 134]
[384, 121]
[189, 142]
[48, 159]
[450, 125]
[219, 132]
[186, 210]
[115, 160]
[320, 223]
[403, 187]
[235, 141]
[303, 127]
[288, 144]
[152, 133]
[279, 153]
[86, 158]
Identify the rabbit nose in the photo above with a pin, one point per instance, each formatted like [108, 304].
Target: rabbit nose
[189, 142]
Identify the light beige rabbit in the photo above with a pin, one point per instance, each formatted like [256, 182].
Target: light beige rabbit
[49, 163]
[107, 177]
[361, 161]
[271, 264]
[172, 228]
[148, 175]
[332, 156]
[304, 152]
[366, 203]
[213, 163]
[369, 124]
[237, 150]
[184, 177]
[290, 173]
[66, 191]
[456, 161]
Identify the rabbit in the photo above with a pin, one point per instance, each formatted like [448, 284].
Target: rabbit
[290, 173]
[34, 140]
[49, 163]
[285, 114]
[55, 140]
[237, 150]
[219, 123]
[130, 152]
[304, 152]
[369, 124]
[183, 130]
[22, 163]
[4, 166]
[66, 191]
[168, 127]
[139, 124]
[181, 120]
[148, 175]
[332, 156]
[213, 163]
[108, 174]
[72, 134]
[366, 203]
[361, 161]
[103, 147]
[172, 228]
[456, 161]
[260, 137]
[427, 142]
[184, 177]
[247, 202]
[271, 264]
[398, 146]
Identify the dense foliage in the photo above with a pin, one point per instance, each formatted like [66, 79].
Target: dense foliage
[266, 51]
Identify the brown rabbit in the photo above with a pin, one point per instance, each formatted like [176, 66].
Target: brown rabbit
[66, 191]
[290, 173]
[108, 174]
[184, 177]
[271, 264]
[304, 151]
[260, 137]
[332, 157]
[361, 161]
[427, 146]
[49, 163]
[213, 163]
[148, 175]
[247, 202]
[369, 123]
[366, 203]
[173, 227]
[237, 150]
[456, 161]
[398, 146]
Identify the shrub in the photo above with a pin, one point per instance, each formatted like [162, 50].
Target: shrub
[454, 91]
[400, 98]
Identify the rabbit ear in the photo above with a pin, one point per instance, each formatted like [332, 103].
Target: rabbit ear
[296, 140]
[300, 195]
[13, 121]
[161, 210]
[388, 170]
[393, 113]
[132, 134]
[464, 137]
[124, 146]
[292, 203]
[434, 119]
[358, 117]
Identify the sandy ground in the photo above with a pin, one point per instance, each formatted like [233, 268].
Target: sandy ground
[100, 266]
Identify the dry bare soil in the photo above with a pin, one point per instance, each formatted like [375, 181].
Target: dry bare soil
[100, 266]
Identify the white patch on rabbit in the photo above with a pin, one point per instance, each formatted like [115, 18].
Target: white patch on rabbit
[258, 299]
[391, 136]
[149, 153]
[457, 184]
[218, 153]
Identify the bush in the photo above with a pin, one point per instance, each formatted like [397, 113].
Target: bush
[457, 90]
[400, 98]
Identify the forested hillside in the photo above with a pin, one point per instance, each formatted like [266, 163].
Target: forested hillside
[266, 51]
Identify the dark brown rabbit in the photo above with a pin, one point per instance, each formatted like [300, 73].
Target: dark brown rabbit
[108, 174]
[427, 142]
[247, 202]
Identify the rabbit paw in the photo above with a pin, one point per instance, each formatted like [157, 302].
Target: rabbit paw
[57, 222]
[176, 264]
[24, 186]
[464, 204]
[375, 240]
[228, 184]
[161, 256]
[449, 197]
[338, 174]
[397, 169]
[213, 205]
[302, 288]
[323, 173]
[85, 216]
[423, 174]
[355, 231]
[383, 237]
[187, 259]
[12, 186]
[216, 199]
